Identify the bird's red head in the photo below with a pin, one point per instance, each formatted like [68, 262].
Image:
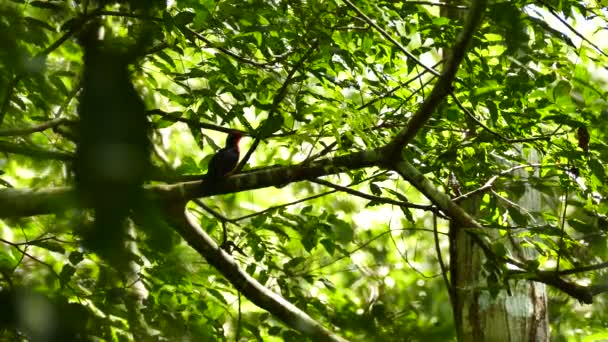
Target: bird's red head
[233, 138]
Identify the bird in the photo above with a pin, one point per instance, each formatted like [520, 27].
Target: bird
[226, 159]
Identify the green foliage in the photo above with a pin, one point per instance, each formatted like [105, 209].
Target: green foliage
[312, 79]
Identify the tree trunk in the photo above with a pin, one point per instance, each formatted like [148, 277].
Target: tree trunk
[478, 315]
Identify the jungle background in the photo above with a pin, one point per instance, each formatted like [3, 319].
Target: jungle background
[375, 133]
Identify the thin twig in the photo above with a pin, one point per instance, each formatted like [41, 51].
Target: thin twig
[365, 244]
[444, 84]
[305, 199]
[388, 37]
[490, 182]
[563, 229]
[213, 213]
[500, 136]
[226, 51]
[275, 104]
[23, 252]
[284, 205]
[565, 23]
[444, 269]
[435, 3]
[176, 118]
[372, 197]
[393, 90]
[582, 269]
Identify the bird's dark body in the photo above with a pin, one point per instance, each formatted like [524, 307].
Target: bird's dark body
[226, 159]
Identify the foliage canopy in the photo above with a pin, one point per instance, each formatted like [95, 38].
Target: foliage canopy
[320, 88]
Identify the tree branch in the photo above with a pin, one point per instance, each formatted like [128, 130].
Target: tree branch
[275, 106]
[35, 152]
[372, 197]
[444, 84]
[32, 129]
[388, 37]
[243, 282]
[30, 202]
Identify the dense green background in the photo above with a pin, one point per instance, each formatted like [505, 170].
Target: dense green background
[312, 79]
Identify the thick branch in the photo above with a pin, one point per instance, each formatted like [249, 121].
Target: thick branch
[247, 285]
[440, 199]
[34, 152]
[30, 202]
[32, 129]
[444, 84]
[451, 209]
[277, 176]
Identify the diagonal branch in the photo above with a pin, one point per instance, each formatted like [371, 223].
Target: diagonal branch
[451, 209]
[243, 282]
[572, 29]
[275, 105]
[34, 152]
[379, 199]
[176, 117]
[444, 84]
[388, 37]
[32, 129]
[490, 182]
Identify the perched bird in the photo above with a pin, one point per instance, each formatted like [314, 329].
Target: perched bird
[226, 159]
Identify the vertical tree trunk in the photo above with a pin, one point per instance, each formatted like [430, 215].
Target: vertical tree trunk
[519, 316]
[479, 316]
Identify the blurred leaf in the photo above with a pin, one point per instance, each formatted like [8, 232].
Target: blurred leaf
[75, 258]
[49, 245]
[270, 126]
[66, 273]
[184, 18]
[54, 5]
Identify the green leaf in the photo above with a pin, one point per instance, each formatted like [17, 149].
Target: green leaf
[276, 229]
[165, 57]
[561, 90]
[597, 169]
[250, 269]
[293, 263]
[49, 245]
[66, 273]
[75, 258]
[533, 265]
[270, 126]
[329, 246]
[309, 239]
[499, 249]
[580, 226]
[216, 294]
[42, 24]
[375, 189]
[201, 18]
[183, 18]
[188, 166]
[54, 5]
[7, 261]
[453, 114]
[307, 209]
